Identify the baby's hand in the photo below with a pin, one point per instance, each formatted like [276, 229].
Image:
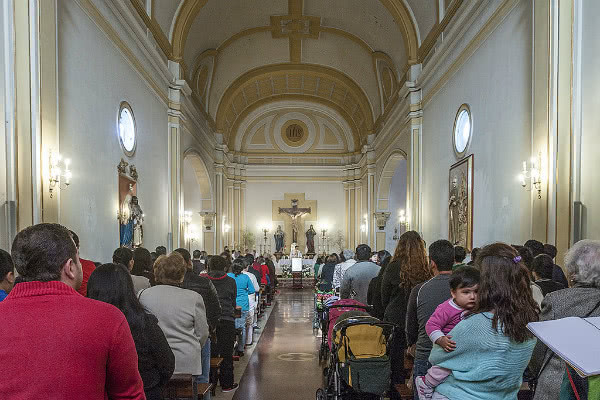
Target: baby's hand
[445, 343]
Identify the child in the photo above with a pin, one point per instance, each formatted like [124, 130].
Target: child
[464, 284]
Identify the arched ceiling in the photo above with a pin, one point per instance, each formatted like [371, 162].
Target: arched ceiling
[358, 49]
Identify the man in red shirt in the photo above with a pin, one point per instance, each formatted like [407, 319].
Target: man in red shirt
[61, 345]
[87, 267]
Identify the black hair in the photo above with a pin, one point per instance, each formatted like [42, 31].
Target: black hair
[535, 246]
[40, 251]
[550, 249]
[464, 277]
[363, 252]
[382, 255]
[6, 264]
[237, 266]
[473, 255]
[383, 265]
[332, 259]
[441, 252]
[161, 251]
[543, 266]
[122, 255]
[459, 254]
[142, 261]
[319, 260]
[75, 238]
[185, 254]
[112, 284]
[250, 258]
[526, 256]
[217, 263]
[197, 254]
[341, 257]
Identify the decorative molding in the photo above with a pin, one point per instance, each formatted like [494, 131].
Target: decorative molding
[437, 30]
[153, 26]
[381, 219]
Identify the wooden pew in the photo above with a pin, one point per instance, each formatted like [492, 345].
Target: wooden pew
[215, 364]
[182, 386]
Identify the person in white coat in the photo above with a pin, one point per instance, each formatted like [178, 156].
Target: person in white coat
[252, 317]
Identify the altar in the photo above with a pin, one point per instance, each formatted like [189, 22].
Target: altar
[285, 267]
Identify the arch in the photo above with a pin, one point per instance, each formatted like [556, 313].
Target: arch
[385, 180]
[319, 84]
[189, 10]
[202, 178]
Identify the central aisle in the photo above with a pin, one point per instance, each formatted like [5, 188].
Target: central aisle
[285, 363]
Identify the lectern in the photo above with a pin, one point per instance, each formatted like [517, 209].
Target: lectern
[297, 273]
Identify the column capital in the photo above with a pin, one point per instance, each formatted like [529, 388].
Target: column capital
[381, 218]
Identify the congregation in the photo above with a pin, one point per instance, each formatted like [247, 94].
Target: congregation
[125, 328]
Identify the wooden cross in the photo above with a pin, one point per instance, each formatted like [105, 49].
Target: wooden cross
[295, 26]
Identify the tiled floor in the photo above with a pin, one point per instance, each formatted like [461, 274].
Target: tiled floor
[285, 363]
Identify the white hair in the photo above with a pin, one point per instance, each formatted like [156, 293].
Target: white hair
[583, 262]
[348, 254]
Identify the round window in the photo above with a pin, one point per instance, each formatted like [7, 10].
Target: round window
[462, 130]
[127, 129]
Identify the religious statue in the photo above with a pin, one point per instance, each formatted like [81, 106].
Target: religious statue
[279, 239]
[458, 211]
[310, 240]
[295, 213]
[131, 223]
[453, 213]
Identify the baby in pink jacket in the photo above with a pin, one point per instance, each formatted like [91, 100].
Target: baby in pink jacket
[464, 285]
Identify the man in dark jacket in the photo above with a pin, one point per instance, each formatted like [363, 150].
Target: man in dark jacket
[205, 288]
[272, 277]
[227, 291]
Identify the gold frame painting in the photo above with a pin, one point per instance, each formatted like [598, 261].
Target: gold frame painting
[460, 203]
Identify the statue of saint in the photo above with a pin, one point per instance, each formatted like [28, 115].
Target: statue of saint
[137, 216]
[279, 239]
[453, 214]
[310, 239]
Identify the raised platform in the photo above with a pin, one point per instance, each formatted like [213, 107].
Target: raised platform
[288, 283]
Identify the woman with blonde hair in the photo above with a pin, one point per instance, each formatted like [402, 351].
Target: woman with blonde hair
[409, 267]
[180, 312]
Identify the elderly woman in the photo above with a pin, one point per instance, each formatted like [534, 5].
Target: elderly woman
[180, 312]
[581, 299]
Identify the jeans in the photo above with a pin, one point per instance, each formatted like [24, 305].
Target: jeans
[420, 368]
[240, 324]
[204, 378]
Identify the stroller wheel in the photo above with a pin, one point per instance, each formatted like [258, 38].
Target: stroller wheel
[321, 395]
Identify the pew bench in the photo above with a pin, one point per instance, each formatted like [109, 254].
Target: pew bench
[215, 364]
[183, 386]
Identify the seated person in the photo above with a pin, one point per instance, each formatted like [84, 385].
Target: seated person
[464, 285]
[543, 268]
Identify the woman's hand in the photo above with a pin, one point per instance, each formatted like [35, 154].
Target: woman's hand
[445, 343]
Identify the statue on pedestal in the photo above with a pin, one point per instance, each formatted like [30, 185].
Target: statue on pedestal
[279, 239]
[310, 240]
[132, 220]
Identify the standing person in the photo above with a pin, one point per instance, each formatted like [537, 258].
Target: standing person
[252, 302]
[493, 345]
[87, 267]
[355, 283]
[408, 268]
[227, 291]
[582, 300]
[459, 257]
[342, 267]
[244, 289]
[272, 278]
[75, 347]
[7, 274]
[160, 251]
[374, 292]
[112, 284]
[180, 312]
[143, 265]
[326, 272]
[124, 256]
[197, 262]
[423, 301]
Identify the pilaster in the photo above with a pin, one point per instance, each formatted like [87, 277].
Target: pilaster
[415, 117]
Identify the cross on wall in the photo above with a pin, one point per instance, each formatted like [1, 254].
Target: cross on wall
[295, 26]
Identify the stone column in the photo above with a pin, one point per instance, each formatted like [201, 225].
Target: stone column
[415, 158]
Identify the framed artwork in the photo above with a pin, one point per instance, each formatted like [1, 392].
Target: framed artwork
[460, 203]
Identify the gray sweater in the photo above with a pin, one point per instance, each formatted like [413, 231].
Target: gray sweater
[355, 283]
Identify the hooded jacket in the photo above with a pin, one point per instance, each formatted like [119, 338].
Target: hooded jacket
[227, 291]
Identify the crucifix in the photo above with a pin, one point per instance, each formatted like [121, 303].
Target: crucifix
[295, 213]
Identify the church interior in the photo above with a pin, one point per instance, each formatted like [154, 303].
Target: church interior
[300, 129]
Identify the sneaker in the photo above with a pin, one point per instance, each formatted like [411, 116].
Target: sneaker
[424, 391]
[230, 389]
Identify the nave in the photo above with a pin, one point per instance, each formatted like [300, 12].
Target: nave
[285, 361]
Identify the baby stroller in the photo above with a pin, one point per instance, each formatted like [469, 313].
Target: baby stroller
[359, 364]
[321, 297]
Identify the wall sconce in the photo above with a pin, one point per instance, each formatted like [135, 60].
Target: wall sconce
[532, 178]
[60, 174]
[365, 226]
[187, 218]
[403, 220]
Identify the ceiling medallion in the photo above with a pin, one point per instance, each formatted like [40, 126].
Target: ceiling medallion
[294, 133]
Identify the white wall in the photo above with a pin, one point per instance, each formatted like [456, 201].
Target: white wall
[94, 78]
[397, 201]
[496, 83]
[329, 196]
[590, 119]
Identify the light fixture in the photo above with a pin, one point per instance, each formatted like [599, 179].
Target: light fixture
[531, 178]
[60, 174]
[403, 219]
[226, 228]
[187, 217]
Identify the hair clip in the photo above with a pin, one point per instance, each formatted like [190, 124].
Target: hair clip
[517, 259]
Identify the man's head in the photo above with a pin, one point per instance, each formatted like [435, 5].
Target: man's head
[197, 254]
[459, 254]
[550, 250]
[124, 256]
[186, 257]
[46, 252]
[217, 263]
[363, 252]
[441, 255]
[543, 267]
[7, 271]
[161, 251]
[536, 247]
